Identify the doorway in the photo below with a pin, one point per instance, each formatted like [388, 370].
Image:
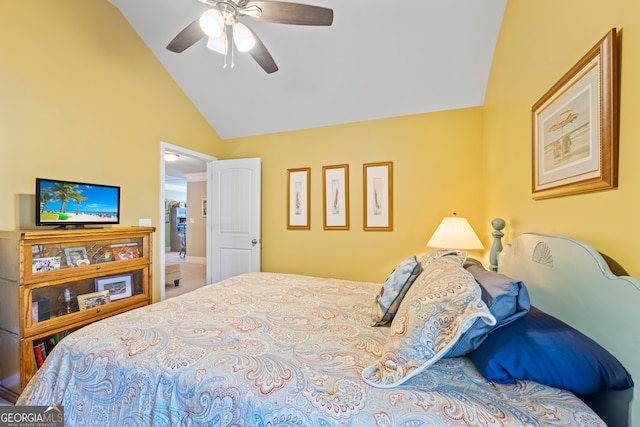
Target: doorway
[184, 184]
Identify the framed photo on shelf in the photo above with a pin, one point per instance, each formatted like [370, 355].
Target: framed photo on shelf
[378, 196]
[123, 253]
[335, 196]
[94, 299]
[575, 127]
[120, 286]
[76, 256]
[40, 265]
[298, 203]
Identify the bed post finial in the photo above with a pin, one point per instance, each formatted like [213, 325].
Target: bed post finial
[497, 224]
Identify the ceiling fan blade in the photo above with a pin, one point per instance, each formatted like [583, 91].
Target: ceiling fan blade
[262, 56]
[186, 38]
[289, 13]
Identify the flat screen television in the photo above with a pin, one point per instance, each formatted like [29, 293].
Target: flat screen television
[76, 204]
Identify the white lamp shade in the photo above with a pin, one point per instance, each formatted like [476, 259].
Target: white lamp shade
[212, 23]
[455, 233]
[218, 44]
[243, 37]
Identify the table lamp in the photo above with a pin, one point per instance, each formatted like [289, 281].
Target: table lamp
[454, 232]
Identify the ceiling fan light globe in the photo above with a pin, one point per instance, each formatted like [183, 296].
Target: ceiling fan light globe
[212, 23]
[243, 37]
[218, 44]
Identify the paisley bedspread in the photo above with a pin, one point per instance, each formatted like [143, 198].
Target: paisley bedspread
[266, 349]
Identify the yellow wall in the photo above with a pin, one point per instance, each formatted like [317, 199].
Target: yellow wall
[436, 171]
[539, 42]
[82, 98]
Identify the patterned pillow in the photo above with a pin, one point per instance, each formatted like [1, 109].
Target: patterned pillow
[441, 304]
[395, 287]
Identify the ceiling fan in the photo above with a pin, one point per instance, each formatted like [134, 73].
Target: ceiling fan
[220, 24]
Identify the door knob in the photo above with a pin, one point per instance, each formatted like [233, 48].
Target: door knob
[254, 242]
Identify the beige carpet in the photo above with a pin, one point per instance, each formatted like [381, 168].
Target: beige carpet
[193, 276]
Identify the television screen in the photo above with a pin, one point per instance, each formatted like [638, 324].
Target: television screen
[66, 203]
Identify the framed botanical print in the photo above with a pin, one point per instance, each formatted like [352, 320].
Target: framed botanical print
[298, 203]
[575, 127]
[378, 196]
[335, 197]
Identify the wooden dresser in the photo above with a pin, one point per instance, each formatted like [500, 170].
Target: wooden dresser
[56, 281]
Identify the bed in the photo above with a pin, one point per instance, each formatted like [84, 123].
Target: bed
[267, 349]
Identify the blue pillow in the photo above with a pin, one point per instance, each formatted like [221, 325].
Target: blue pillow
[541, 348]
[506, 298]
[393, 290]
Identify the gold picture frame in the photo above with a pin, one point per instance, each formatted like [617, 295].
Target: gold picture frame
[575, 127]
[298, 202]
[378, 196]
[335, 197]
[92, 300]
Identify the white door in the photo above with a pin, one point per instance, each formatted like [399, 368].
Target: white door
[235, 215]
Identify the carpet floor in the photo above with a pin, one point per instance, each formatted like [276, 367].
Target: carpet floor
[193, 276]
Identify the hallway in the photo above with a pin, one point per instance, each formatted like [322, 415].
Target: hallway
[193, 276]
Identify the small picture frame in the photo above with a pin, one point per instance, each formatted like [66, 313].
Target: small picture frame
[378, 196]
[335, 196]
[76, 257]
[298, 203]
[203, 209]
[124, 253]
[41, 265]
[92, 300]
[120, 286]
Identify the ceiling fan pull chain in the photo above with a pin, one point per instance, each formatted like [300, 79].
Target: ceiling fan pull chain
[233, 48]
[225, 60]
[226, 48]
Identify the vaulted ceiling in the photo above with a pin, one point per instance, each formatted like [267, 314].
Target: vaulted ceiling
[379, 59]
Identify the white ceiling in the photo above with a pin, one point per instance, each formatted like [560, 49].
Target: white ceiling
[379, 59]
[179, 171]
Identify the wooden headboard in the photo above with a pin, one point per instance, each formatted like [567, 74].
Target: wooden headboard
[571, 281]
